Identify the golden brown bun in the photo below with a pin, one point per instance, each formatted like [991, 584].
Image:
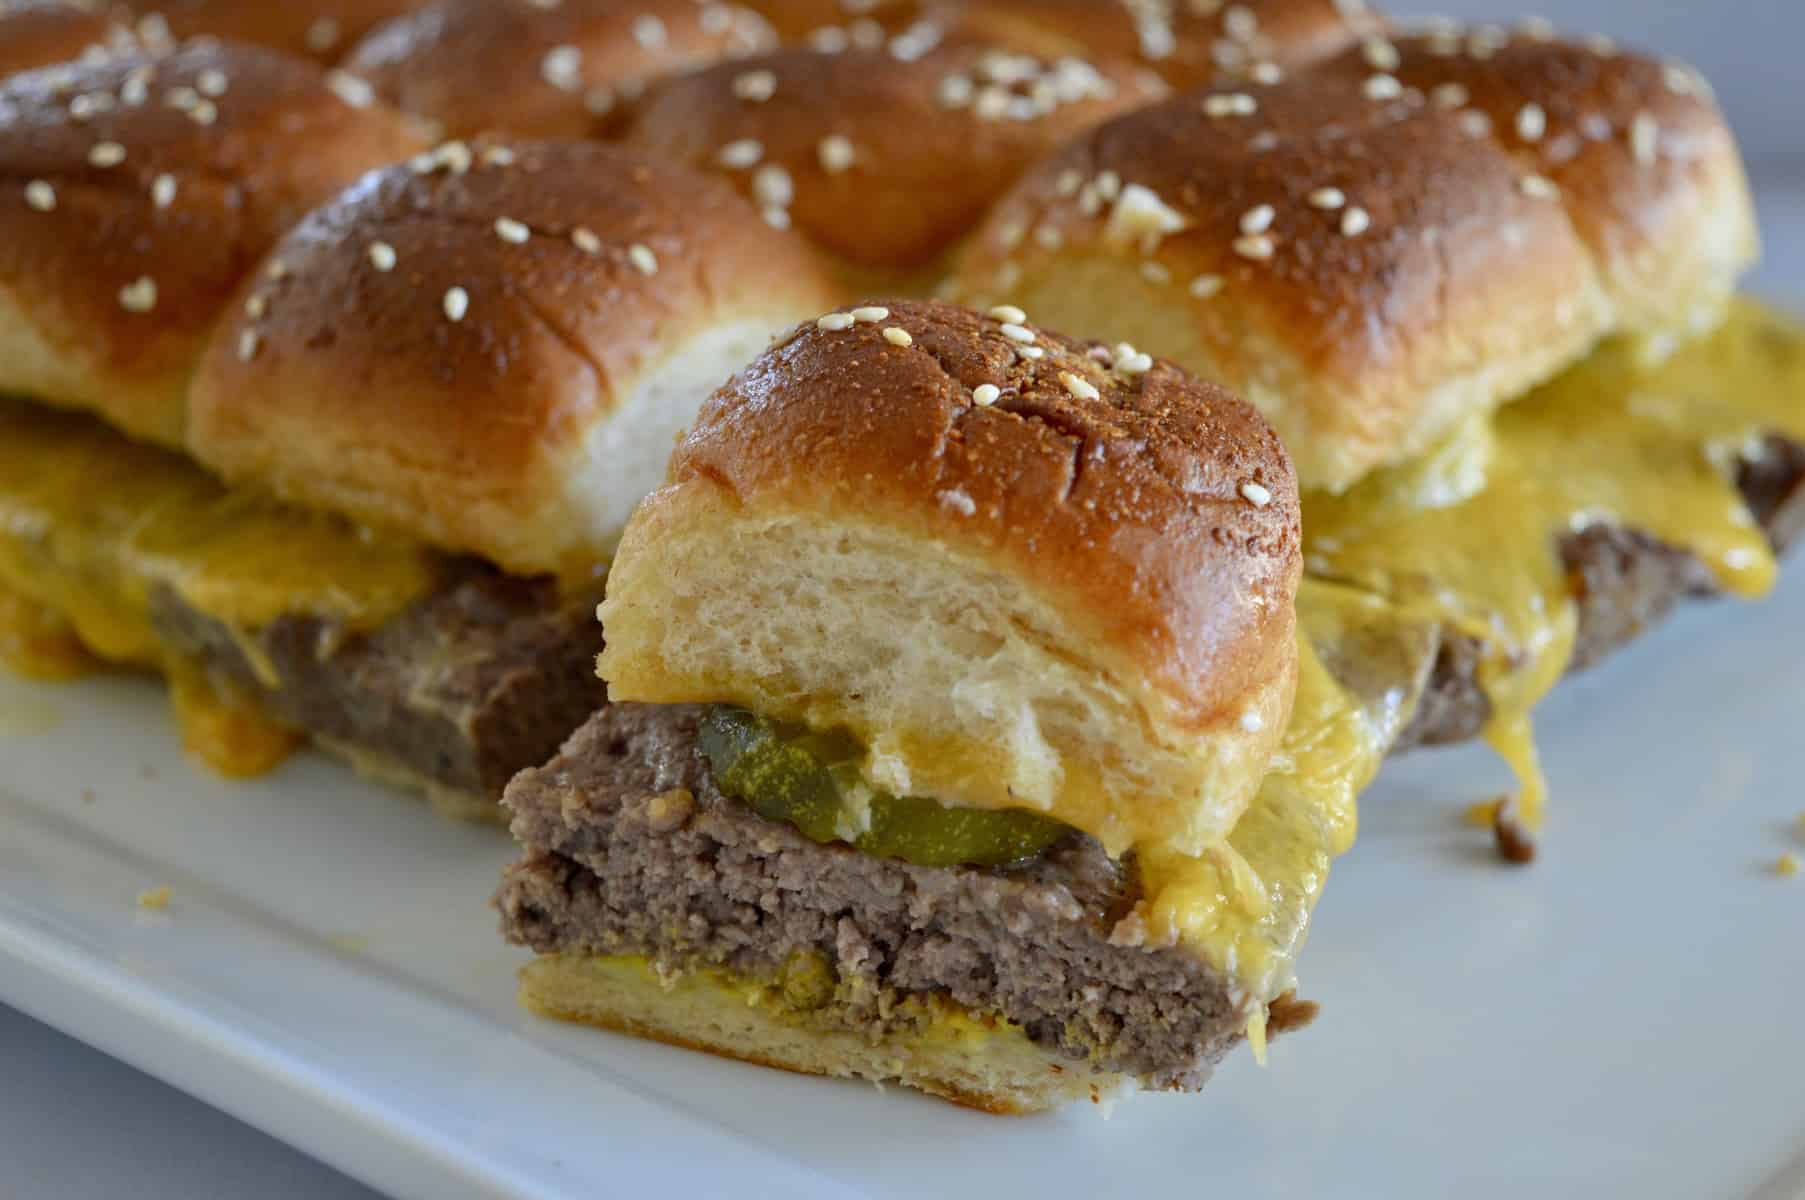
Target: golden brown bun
[914, 171]
[112, 276]
[1190, 43]
[34, 33]
[317, 29]
[1418, 264]
[1073, 600]
[803, 21]
[532, 70]
[550, 314]
[989, 1066]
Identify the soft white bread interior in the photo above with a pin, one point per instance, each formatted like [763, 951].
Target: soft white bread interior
[138, 189]
[492, 347]
[1024, 571]
[983, 1064]
[1382, 247]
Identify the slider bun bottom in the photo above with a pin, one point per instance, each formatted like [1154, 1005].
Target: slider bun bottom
[978, 1064]
[965, 683]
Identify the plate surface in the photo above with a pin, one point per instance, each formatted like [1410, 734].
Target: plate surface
[1621, 1019]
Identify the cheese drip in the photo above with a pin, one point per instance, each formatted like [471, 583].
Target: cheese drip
[95, 528]
[1469, 537]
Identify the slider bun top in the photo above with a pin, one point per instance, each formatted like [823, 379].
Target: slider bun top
[1073, 595]
[885, 157]
[543, 70]
[1379, 248]
[134, 194]
[36, 32]
[1190, 44]
[317, 29]
[492, 347]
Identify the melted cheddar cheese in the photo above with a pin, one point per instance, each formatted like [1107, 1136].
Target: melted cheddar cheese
[94, 528]
[1469, 536]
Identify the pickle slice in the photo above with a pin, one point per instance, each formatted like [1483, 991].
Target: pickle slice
[812, 781]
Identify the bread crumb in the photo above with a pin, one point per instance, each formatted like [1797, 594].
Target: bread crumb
[156, 899]
[667, 810]
[1515, 845]
[1788, 866]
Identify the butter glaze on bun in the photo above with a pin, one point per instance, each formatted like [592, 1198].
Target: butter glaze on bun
[1399, 240]
[493, 346]
[883, 157]
[1072, 594]
[538, 70]
[135, 193]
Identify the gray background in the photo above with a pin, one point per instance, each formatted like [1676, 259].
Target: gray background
[75, 1125]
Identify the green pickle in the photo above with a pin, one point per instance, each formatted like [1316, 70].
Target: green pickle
[812, 781]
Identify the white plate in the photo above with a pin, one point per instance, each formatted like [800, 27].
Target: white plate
[1622, 1018]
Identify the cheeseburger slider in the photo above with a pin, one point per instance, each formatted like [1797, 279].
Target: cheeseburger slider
[543, 70]
[1482, 284]
[371, 472]
[952, 667]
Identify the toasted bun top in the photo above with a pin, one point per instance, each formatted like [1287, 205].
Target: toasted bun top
[1162, 506]
[1190, 44]
[134, 194]
[318, 29]
[835, 22]
[543, 70]
[478, 347]
[884, 157]
[1374, 250]
[36, 32]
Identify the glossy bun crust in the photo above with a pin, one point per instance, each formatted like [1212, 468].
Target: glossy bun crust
[884, 161]
[319, 29]
[1407, 236]
[1075, 597]
[491, 347]
[136, 192]
[34, 33]
[537, 70]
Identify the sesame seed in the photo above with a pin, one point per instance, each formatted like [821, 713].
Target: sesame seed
[139, 296]
[1205, 286]
[1537, 29]
[985, 394]
[1109, 185]
[1475, 124]
[382, 256]
[1645, 138]
[178, 97]
[1082, 389]
[353, 91]
[322, 35]
[1258, 219]
[1257, 246]
[741, 153]
[562, 67]
[277, 269]
[1382, 87]
[211, 82]
[598, 101]
[1328, 198]
[897, 337]
[1532, 122]
[775, 216]
[457, 303]
[40, 195]
[1031, 353]
[756, 86]
[648, 31]
[162, 190]
[1256, 494]
[1009, 313]
[454, 155]
[1048, 237]
[1450, 95]
[135, 90]
[716, 19]
[1154, 272]
[585, 239]
[1538, 186]
[1266, 74]
[255, 305]
[1380, 54]
[247, 345]
[1134, 363]
[772, 186]
[871, 314]
[835, 322]
[1229, 104]
[1016, 332]
[642, 258]
[497, 156]
[836, 153]
[106, 154]
[205, 112]
[1602, 45]
[1355, 221]
[955, 91]
[1252, 721]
